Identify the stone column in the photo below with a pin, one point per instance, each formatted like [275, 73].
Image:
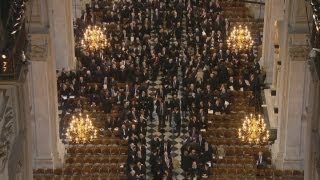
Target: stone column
[43, 98]
[60, 15]
[311, 117]
[291, 135]
[47, 148]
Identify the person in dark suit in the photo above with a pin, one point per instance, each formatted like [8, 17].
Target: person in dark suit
[240, 85]
[201, 141]
[155, 143]
[169, 109]
[218, 107]
[194, 171]
[174, 85]
[261, 161]
[206, 152]
[165, 147]
[109, 123]
[177, 120]
[185, 162]
[256, 88]
[161, 112]
[205, 172]
[124, 132]
[132, 175]
[140, 170]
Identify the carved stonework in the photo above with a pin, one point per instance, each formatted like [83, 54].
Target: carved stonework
[6, 136]
[39, 47]
[299, 52]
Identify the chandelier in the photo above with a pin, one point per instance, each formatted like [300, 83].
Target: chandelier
[81, 129]
[93, 39]
[240, 38]
[253, 130]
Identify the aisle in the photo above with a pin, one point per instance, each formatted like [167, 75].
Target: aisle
[176, 141]
[152, 127]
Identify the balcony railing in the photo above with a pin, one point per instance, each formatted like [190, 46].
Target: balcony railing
[12, 59]
[315, 36]
[14, 39]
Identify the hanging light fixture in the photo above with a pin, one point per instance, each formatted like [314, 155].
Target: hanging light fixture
[240, 38]
[81, 130]
[94, 39]
[253, 130]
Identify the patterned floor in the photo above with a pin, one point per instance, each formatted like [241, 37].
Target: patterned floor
[176, 141]
[152, 127]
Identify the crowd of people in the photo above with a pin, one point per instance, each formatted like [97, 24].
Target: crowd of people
[197, 157]
[148, 38]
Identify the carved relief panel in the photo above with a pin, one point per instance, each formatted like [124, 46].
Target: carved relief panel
[7, 128]
[38, 47]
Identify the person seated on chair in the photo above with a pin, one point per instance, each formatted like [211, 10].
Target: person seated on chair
[261, 161]
[205, 171]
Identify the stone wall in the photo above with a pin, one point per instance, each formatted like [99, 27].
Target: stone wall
[294, 88]
[15, 139]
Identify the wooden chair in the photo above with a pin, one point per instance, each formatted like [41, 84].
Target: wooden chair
[114, 151]
[104, 169]
[39, 171]
[86, 170]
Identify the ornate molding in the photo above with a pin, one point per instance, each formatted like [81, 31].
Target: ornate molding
[38, 47]
[299, 52]
[6, 136]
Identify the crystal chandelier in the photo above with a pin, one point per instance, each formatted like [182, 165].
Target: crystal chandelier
[93, 39]
[253, 130]
[240, 38]
[81, 130]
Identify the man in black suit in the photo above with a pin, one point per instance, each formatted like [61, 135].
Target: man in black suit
[140, 170]
[256, 88]
[165, 147]
[177, 120]
[124, 132]
[200, 141]
[161, 112]
[174, 84]
[169, 108]
[261, 161]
